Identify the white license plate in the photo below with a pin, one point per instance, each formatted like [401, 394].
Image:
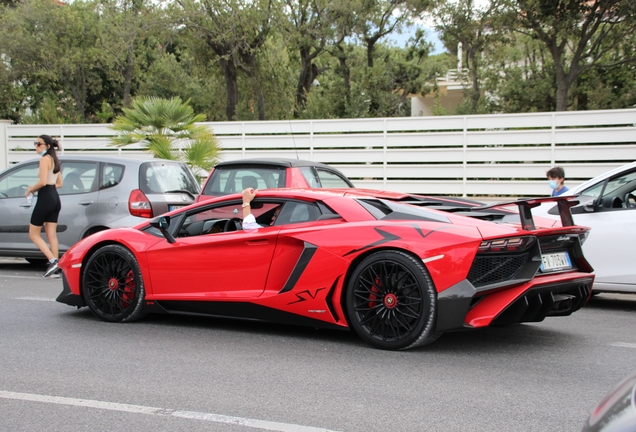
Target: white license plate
[555, 261]
[174, 207]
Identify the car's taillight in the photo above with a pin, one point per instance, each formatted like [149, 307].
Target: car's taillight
[139, 205]
[506, 245]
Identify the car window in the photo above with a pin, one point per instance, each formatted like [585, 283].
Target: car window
[310, 176]
[15, 183]
[322, 178]
[614, 184]
[219, 219]
[224, 181]
[594, 191]
[330, 179]
[111, 175]
[298, 212]
[618, 193]
[77, 177]
[164, 177]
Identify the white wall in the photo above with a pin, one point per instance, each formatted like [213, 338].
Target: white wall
[477, 155]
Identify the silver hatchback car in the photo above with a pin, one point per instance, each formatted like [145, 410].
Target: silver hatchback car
[98, 193]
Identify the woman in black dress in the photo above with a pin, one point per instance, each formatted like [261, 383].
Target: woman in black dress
[48, 205]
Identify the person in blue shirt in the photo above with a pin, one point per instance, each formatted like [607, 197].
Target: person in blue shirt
[556, 180]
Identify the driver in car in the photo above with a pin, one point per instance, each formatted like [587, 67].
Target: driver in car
[249, 221]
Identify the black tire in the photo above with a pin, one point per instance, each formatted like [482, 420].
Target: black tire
[391, 301]
[112, 285]
[37, 261]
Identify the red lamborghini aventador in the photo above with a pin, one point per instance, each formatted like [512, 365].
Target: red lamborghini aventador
[397, 271]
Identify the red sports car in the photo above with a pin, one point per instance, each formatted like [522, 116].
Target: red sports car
[398, 273]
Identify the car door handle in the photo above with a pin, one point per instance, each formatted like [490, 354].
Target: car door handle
[26, 204]
[258, 242]
[85, 202]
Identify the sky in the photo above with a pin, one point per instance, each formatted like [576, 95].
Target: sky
[431, 36]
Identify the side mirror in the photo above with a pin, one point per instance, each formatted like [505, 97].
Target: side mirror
[589, 207]
[162, 223]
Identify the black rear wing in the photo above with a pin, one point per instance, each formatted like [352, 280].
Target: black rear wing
[526, 205]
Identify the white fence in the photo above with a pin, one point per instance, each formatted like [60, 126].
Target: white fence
[479, 155]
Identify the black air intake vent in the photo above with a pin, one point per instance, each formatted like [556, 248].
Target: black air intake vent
[487, 270]
[505, 262]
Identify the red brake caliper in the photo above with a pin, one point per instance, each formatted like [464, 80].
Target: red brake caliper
[373, 297]
[128, 293]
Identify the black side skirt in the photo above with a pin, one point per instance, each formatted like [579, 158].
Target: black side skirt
[237, 310]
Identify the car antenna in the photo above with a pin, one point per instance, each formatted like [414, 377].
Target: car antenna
[293, 139]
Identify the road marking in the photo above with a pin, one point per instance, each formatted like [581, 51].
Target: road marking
[623, 345]
[139, 409]
[23, 277]
[35, 298]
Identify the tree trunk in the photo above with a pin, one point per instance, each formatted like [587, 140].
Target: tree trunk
[308, 72]
[474, 74]
[231, 87]
[370, 49]
[562, 95]
[251, 70]
[128, 74]
[562, 82]
[345, 73]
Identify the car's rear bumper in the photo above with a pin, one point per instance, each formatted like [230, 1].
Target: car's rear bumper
[463, 306]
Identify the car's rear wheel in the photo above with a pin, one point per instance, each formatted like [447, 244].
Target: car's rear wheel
[391, 301]
[112, 285]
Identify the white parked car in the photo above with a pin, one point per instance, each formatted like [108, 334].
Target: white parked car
[608, 206]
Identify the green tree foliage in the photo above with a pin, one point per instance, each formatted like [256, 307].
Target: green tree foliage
[234, 31]
[52, 52]
[84, 61]
[576, 33]
[130, 35]
[166, 128]
[472, 25]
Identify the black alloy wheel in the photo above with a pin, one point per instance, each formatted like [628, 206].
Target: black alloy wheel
[391, 301]
[112, 285]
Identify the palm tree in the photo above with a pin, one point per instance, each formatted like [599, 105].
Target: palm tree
[166, 128]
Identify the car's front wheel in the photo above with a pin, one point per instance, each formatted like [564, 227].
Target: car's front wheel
[112, 285]
[391, 301]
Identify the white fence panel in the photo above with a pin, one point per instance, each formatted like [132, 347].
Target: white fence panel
[509, 137]
[424, 156]
[534, 120]
[423, 123]
[598, 118]
[478, 155]
[420, 139]
[596, 135]
[596, 153]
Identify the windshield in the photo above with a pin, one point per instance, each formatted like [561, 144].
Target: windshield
[163, 177]
[230, 180]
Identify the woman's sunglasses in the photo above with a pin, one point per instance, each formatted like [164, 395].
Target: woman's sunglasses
[37, 144]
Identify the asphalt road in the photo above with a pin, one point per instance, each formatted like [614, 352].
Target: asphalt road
[61, 369]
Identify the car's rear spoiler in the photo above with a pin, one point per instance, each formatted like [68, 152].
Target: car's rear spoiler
[526, 205]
